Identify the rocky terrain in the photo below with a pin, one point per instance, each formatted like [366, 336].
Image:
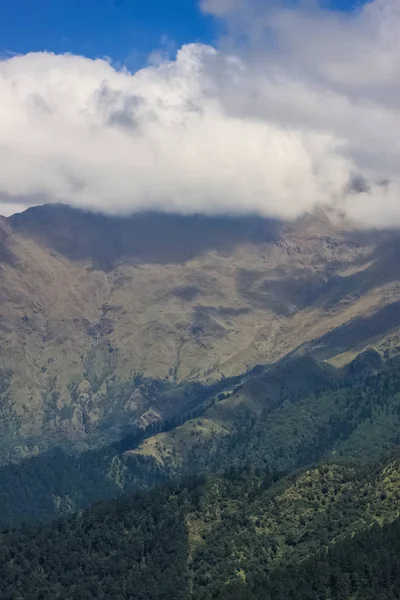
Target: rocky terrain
[107, 322]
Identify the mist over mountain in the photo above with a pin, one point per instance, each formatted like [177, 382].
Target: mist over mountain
[200, 300]
[293, 108]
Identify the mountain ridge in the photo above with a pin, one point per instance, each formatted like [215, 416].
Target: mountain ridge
[269, 422]
[89, 303]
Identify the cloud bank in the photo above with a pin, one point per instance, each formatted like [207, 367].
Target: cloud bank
[295, 108]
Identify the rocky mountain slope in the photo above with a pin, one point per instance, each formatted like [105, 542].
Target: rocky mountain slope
[101, 318]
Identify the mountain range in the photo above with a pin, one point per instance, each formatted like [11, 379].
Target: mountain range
[198, 408]
[111, 324]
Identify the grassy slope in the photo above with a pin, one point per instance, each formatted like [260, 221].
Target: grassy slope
[353, 418]
[262, 391]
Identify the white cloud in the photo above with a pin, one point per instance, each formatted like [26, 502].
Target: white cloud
[280, 123]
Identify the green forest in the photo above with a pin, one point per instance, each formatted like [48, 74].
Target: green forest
[331, 531]
[356, 418]
[300, 500]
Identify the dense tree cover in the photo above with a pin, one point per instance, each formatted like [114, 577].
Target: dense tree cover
[56, 483]
[244, 526]
[365, 567]
[361, 420]
[129, 549]
[246, 536]
[260, 525]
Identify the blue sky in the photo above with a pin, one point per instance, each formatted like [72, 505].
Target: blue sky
[268, 128]
[125, 30]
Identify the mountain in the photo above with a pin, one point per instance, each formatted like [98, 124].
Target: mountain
[288, 416]
[198, 408]
[106, 321]
[331, 531]
[269, 423]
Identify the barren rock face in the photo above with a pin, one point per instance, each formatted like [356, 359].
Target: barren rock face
[99, 317]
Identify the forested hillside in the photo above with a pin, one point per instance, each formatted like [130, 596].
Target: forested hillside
[265, 426]
[283, 483]
[358, 416]
[328, 532]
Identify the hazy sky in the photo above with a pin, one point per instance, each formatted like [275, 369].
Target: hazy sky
[234, 106]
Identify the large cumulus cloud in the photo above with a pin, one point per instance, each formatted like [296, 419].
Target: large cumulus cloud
[295, 108]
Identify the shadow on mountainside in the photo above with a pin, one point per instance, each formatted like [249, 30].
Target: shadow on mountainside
[149, 237]
[355, 333]
[286, 294]
[6, 254]
[144, 237]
